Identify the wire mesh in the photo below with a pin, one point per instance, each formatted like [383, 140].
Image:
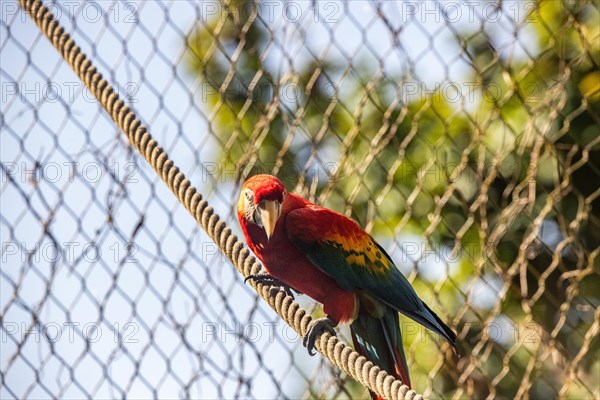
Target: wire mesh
[463, 135]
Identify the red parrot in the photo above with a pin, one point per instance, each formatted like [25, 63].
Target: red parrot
[327, 256]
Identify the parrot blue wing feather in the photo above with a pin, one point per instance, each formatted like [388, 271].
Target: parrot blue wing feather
[343, 250]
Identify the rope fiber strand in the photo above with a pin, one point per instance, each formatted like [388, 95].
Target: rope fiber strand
[365, 372]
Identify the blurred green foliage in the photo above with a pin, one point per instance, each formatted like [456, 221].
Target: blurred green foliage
[511, 175]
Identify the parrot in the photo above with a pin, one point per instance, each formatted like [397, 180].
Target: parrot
[327, 256]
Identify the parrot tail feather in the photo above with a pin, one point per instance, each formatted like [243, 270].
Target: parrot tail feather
[399, 361]
[379, 339]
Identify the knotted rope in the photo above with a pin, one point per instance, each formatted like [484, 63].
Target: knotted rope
[336, 351]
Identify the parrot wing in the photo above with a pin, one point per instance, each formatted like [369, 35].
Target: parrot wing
[343, 250]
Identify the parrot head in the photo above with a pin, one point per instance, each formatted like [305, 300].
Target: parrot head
[260, 202]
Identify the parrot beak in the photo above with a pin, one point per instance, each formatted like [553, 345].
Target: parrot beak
[269, 213]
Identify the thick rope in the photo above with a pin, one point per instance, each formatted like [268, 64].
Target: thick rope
[380, 382]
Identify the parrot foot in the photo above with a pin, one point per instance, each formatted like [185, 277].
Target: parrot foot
[317, 327]
[267, 279]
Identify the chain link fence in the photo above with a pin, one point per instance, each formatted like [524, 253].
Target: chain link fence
[463, 135]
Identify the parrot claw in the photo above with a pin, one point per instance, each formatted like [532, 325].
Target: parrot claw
[267, 279]
[316, 329]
